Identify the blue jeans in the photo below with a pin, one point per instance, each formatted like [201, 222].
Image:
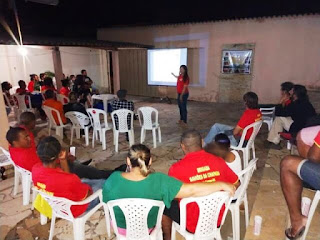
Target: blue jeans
[309, 172]
[95, 185]
[220, 128]
[183, 106]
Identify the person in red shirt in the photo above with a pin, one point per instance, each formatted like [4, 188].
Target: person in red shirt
[22, 88]
[22, 152]
[183, 93]
[196, 166]
[251, 114]
[53, 176]
[51, 102]
[65, 90]
[34, 84]
[297, 172]
[47, 85]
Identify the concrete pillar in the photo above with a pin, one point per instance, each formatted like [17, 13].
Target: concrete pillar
[57, 64]
[3, 122]
[116, 71]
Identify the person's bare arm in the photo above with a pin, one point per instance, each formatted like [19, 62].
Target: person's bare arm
[204, 189]
[230, 157]
[314, 153]
[237, 130]
[64, 161]
[174, 75]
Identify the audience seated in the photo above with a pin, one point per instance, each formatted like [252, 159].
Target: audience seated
[28, 123]
[196, 166]
[58, 181]
[6, 86]
[293, 117]
[65, 90]
[72, 79]
[51, 102]
[78, 83]
[299, 171]
[74, 105]
[286, 94]
[141, 182]
[34, 84]
[221, 148]
[251, 114]
[48, 85]
[22, 88]
[122, 102]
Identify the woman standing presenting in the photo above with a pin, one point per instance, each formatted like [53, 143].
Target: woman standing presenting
[183, 93]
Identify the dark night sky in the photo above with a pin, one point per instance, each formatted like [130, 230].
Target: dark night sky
[80, 18]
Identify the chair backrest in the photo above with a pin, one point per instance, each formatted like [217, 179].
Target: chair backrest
[136, 212]
[78, 119]
[245, 176]
[268, 112]
[256, 127]
[209, 207]
[63, 99]
[120, 120]
[146, 113]
[20, 169]
[22, 102]
[49, 112]
[8, 101]
[94, 115]
[8, 156]
[60, 206]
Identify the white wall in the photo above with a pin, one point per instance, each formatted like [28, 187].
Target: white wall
[39, 60]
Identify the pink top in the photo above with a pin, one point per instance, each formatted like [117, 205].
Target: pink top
[308, 134]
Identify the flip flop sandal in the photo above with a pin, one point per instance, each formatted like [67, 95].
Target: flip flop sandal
[297, 236]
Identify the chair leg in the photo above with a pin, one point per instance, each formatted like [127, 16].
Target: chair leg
[34, 195]
[71, 137]
[16, 181]
[26, 184]
[107, 216]
[78, 135]
[313, 207]
[237, 223]
[246, 210]
[159, 133]
[43, 219]
[154, 136]
[141, 137]
[245, 158]
[233, 217]
[93, 137]
[116, 141]
[253, 151]
[104, 144]
[86, 134]
[131, 138]
[78, 229]
[173, 232]
[52, 225]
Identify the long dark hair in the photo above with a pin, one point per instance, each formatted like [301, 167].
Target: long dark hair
[301, 92]
[185, 76]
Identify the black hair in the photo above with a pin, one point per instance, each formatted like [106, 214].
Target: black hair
[222, 141]
[13, 134]
[47, 81]
[83, 70]
[49, 94]
[32, 76]
[287, 86]
[48, 149]
[5, 86]
[41, 75]
[27, 117]
[191, 138]
[122, 93]
[73, 96]
[21, 82]
[185, 76]
[71, 76]
[65, 82]
[251, 100]
[301, 92]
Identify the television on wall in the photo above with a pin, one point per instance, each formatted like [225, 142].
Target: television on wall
[236, 61]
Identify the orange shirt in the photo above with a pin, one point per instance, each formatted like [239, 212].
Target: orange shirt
[58, 106]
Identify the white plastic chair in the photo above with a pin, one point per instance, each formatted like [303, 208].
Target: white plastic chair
[250, 144]
[241, 197]
[79, 121]
[22, 106]
[312, 210]
[26, 179]
[121, 126]
[99, 128]
[61, 208]
[210, 207]
[63, 99]
[136, 212]
[52, 122]
[268, 115]
[13, 106]
[148, 124]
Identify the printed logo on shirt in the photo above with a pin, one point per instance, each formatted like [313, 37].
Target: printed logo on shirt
[42, 188]
[204, 176]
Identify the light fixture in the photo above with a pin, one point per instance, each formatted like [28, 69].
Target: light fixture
[23, 51]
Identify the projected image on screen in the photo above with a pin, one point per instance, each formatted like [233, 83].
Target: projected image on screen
[163, 62]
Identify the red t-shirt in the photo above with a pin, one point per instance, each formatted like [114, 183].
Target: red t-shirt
[24, 157]
[65, 91]
[317, 140]
[248, 117]
[61, 184]
[31, 86]
[45, 88]
[181, 84]
[201, 166]
[58, 106]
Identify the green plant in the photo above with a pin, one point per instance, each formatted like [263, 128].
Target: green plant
[49, 74]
